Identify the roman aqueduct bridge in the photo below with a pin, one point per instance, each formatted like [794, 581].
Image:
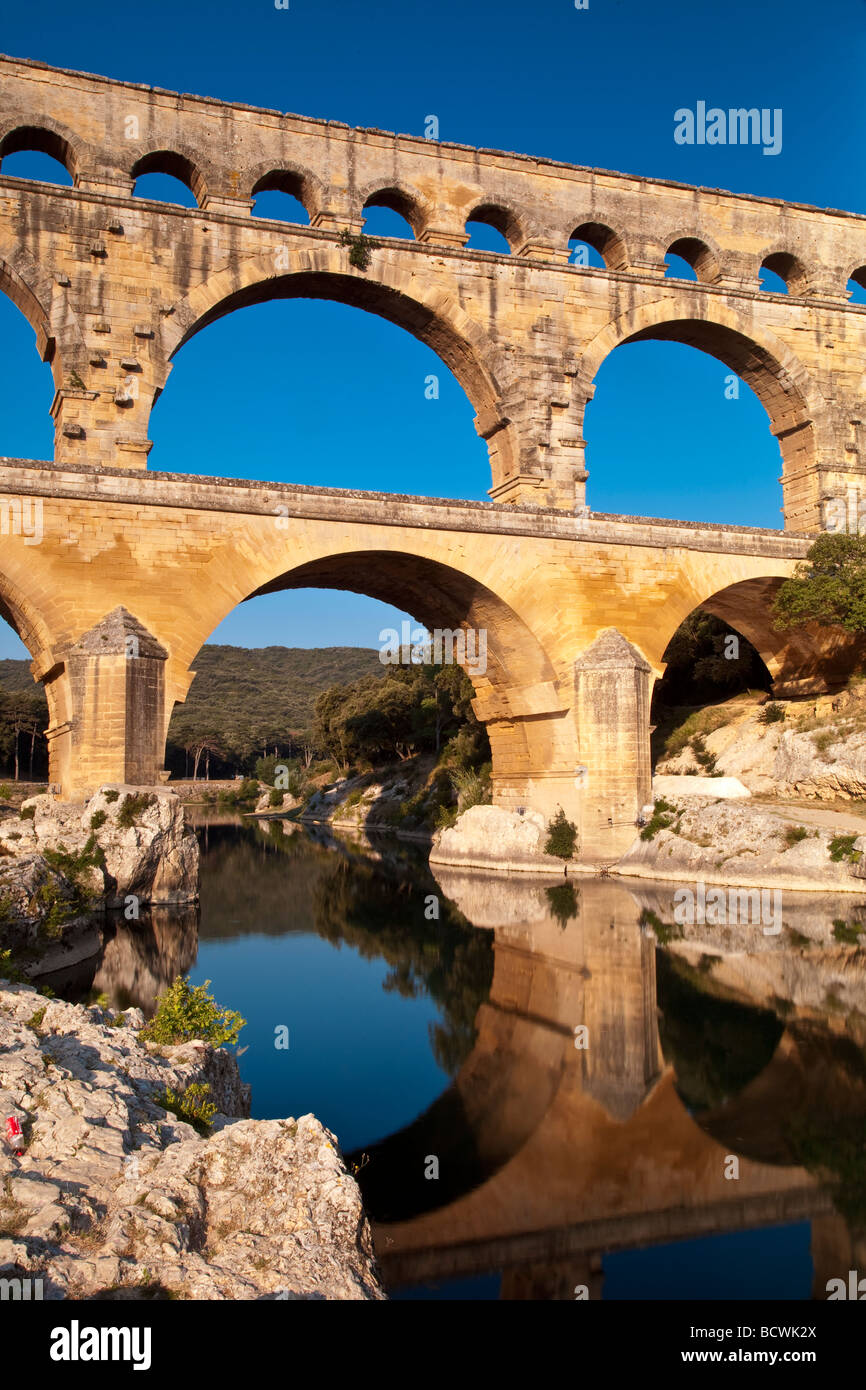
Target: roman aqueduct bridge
[579, 607]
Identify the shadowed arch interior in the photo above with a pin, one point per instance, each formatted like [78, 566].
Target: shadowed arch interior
[605, 241]
[798, 659]
[43, 141]
[177, 165]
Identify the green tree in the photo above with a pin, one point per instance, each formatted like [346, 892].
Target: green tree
[829, 586]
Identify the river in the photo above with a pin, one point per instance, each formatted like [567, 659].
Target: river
[540, 1100]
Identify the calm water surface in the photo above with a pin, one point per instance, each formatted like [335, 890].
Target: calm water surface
[708, 1141]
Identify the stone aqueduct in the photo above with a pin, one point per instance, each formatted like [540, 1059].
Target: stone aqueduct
[579, 607]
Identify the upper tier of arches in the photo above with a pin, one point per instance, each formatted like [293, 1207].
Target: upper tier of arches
[611, 241]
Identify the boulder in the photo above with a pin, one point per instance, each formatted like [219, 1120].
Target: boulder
[129, 841]
[490, 837]
[115, 1196]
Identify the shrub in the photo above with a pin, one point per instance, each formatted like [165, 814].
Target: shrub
[794, 834]
[275, 798]
[771, 713]
[10, 971]
[472, 788]
[700, 722]
[194, 1105]
[823, 740]
[133, 806]
[27, 812]
[5, 792]
[98, 819]
[842, 847]
[360, 247]
[562, 836]
[111, 795]
[661, 819]
[703, 757]
[185, 1012]
[847, 932]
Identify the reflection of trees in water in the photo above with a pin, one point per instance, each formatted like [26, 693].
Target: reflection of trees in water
[383, 917]
[716, 1046]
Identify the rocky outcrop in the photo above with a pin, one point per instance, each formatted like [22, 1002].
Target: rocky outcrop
[735, 842]
[113, 1193]
[265, 806]
[62, 859]
[489, 837]
[804, 754]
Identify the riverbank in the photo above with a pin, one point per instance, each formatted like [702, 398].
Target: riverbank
[112, 1192]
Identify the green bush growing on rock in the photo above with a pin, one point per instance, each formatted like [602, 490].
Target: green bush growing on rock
[847, 932]
[133, 806]
[111, 795]
[27, 812]
[823, 740]
[193, 1106]
[185, 1012]
[472, 788]
[771, 713]
[10, 971]
[562, 836]
[5, 792]
[98, 819]
[702, 755]
[794, 834]
[59, 904]
[662, 818]
[842, 847]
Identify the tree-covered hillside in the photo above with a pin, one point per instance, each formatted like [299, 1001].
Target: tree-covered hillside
[243, 702]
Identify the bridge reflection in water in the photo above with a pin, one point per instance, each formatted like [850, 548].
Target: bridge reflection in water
[725, 1043]
[566, 1153]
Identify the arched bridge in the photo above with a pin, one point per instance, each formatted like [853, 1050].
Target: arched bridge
[578, 607]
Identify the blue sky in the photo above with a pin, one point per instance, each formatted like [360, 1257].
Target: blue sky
[315, 392]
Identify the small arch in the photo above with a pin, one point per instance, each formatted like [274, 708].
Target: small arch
[784, 267]
[698, 256]
[398, 204]
[27, 139]
[502, 220]
[606, 243]
[856, 285]
[177, 166]
[291, 200]
[676, 268]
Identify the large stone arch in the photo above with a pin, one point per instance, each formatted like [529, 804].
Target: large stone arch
[393, 294]
[801, 661]
[18, 609]
[434, 590]
[29, 289]
[764, 362]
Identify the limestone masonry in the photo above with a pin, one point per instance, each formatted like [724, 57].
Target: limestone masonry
[132, 564]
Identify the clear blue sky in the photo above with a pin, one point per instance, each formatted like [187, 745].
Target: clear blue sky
[257, 395]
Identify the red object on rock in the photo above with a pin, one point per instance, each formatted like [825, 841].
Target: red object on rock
[14, 1135]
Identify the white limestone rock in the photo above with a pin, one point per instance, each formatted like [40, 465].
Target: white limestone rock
[112, 1192]
[492, 837]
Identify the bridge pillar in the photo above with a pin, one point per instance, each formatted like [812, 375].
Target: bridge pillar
[612, 712]
[111, 685]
